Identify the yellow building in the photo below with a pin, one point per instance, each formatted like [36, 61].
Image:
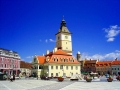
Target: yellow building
[56, 63]
[60, 62]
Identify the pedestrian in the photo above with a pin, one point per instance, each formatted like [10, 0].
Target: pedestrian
[14, 77]
[11, 78]
[37, 77]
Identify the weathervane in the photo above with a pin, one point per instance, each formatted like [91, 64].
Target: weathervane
[63, 18]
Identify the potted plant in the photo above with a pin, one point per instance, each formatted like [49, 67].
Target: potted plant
[110, 79]
[60, 78]
[88, 79]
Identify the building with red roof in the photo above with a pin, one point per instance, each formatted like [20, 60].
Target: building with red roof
[60, 61]
[104, 67]
[89, 66]
[116, 67]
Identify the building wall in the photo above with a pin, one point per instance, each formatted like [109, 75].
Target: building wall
[63, 71]
[89, 67]
[65, 43]
[25, 71]
[9, 64]
[115, 69]
[102, 70]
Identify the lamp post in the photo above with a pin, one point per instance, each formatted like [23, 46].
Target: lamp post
[63, 70]
[48, 70]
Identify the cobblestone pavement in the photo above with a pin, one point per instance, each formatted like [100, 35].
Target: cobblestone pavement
[55, 86]
[33, 84]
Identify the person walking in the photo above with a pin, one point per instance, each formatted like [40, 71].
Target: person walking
[14, 77]
[37, 77]
[11, 78]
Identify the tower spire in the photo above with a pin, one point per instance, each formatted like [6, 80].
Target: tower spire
[63, 23]
[63, 18]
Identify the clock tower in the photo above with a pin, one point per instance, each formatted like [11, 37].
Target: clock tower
[63, 38]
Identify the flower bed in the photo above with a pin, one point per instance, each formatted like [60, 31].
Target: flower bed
[118, 78]
[60, 79]
[88, 79]
[109, 79]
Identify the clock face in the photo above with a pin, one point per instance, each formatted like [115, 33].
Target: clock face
[66, 37]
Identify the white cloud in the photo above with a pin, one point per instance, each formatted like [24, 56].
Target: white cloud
[51, 40]
[29, 57]
[46, 40]
[110, 39]
[108, 56]
[117, 51]
[112, 32]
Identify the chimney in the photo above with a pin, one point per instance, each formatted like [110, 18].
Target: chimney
[55, 49]
[116, 59]
[98, 60]
[78, 56]
[48, 51]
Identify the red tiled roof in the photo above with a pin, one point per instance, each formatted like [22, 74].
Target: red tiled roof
[41, 59]
[56, 58]
[116, 62]
[60, 59]
[103, 63]
[90, 61]
[60, 52]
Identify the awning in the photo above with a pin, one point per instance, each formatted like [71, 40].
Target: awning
[84, 73]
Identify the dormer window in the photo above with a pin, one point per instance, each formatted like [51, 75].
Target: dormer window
[64, 60]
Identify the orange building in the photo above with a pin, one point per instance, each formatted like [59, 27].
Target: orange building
[104, 67]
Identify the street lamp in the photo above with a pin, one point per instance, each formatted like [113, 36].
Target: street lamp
[47, 74]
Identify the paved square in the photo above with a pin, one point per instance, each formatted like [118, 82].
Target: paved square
[33, 84]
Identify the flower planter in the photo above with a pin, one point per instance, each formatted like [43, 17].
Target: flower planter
[109, 79]
[118, 78]
[88, 80]
[60, 79]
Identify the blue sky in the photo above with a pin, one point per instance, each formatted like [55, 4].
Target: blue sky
[26, 25]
